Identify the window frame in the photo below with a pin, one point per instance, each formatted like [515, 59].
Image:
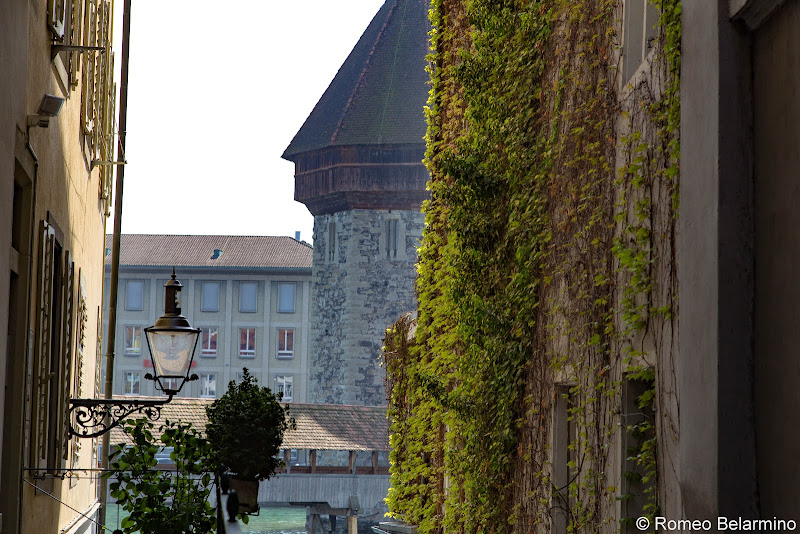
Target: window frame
[248, 353]
[131, 351]
[283, 338]
[128, 283]
[294, 297]
[205, 382]
[242, 286]
[281, 382]
[203, 285]
[207, 352]
[127, 381]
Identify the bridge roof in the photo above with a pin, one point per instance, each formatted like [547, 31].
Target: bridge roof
[338, 427]
[335, 427]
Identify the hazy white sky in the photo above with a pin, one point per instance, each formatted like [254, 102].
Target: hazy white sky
[216, 92]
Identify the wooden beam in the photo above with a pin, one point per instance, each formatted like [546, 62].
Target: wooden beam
[352, 461]
[352, 524]
[374, 462]
[313, 460]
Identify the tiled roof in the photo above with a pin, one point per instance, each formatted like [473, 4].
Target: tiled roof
[380, 91]
[221, 251]
[338, 427]
[185, 410]
[334, 427]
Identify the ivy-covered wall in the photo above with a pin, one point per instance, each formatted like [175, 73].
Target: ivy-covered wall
[535, 390]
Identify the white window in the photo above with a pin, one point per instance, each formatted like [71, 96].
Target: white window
[248, 292]
[169, 383]
[247, 342]
[283, 386]
[286, 292]
[392, 238]
[134, 295]
[131, 383]
[285, 342]
[239, 378]
[133, 340]
[209, 341]
[208, 385]
[210, 300]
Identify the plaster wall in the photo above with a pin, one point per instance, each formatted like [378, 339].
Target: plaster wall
[357, 292]
[67, 196]
[776, 75]
[13, 59]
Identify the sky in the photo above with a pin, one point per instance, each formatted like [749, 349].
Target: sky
[216, 92]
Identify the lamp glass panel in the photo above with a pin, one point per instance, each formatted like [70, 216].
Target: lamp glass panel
[171, 351]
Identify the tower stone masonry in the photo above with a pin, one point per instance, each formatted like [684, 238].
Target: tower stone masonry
[358, 169]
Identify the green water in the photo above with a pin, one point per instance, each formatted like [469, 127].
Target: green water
[286, 520]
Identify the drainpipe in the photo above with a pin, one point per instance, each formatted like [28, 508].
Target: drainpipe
[112, 300]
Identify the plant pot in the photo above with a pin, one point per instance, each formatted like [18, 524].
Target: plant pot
[247, 490]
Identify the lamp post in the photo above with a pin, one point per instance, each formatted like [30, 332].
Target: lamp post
[172, 342]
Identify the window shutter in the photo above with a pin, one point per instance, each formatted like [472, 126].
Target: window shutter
[47, 241]
[76, 36]
[65, 362]
[57, 17]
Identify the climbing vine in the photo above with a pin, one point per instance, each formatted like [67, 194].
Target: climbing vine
[546, 271]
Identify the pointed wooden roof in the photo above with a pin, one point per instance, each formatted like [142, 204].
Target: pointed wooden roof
[378, 95]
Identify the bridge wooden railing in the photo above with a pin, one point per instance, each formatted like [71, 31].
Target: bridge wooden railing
[352, 468]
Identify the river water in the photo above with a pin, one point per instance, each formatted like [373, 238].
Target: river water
[286, 520]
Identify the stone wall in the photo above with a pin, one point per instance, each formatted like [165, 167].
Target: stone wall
[357, 292]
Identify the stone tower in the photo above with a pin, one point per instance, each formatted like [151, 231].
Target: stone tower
[358, 169]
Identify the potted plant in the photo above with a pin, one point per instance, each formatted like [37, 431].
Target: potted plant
[245, 428]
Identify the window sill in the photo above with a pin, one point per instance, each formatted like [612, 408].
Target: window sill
[285, 356]
[247, 356]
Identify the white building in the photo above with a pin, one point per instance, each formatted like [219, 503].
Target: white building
[248, 294]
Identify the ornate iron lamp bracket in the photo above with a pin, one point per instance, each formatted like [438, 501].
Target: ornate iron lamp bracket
[95, 417]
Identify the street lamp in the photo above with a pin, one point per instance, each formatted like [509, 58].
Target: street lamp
[172, 342]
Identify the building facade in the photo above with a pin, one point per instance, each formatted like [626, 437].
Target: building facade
[56, 125]
[358, 169]
[249, 295]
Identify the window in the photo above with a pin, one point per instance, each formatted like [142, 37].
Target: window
[248, 292]
[133, 340]
[134, 295]
[210, 298]
[392, 239]
[285, 342]
[53, 351]
[131, 383]
[283, 385]
[639, 32]
[563, 449]
[638, 427]
[239, 378]
[286, 293]
[169, 383]
[331, 241]
[208, 385]
[209, 341]
[247, 342]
